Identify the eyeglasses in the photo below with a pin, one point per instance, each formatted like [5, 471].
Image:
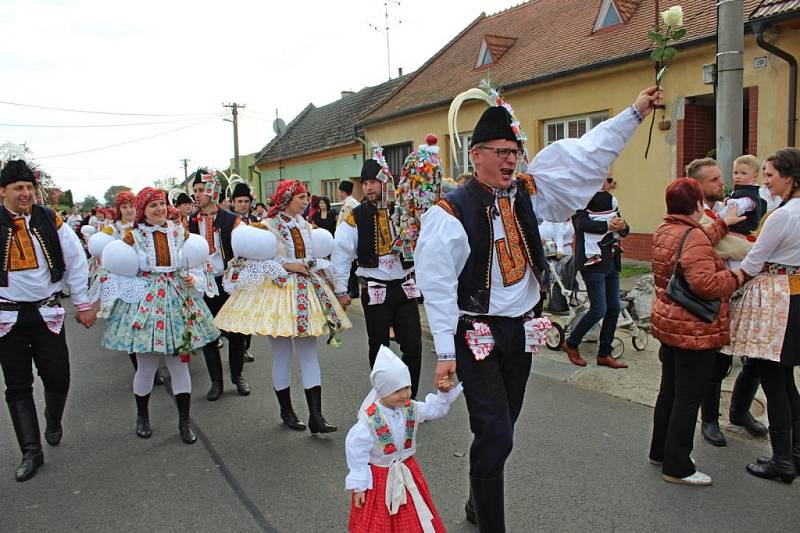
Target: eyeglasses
[503, 153]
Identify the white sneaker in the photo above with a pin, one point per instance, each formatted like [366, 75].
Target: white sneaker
[698, 479]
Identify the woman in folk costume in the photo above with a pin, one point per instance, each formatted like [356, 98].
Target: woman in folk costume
[765, 319]
[124, 220]
[289, 300]
[390, 494]
[157, 275]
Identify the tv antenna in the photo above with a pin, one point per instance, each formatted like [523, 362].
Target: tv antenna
[386, 29]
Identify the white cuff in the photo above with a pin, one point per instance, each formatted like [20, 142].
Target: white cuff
[445, 344]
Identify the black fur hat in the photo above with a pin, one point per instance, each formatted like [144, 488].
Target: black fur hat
[495, 123]
[16, 170]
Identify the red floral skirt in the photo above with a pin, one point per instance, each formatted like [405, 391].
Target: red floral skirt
[374, 516]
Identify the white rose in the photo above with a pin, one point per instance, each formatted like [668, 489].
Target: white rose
[673, 17]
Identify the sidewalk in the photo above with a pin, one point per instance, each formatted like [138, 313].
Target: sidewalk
[638, 383]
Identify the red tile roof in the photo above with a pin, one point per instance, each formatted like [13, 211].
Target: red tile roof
[626, 8]
[545, 47]
[771, 8]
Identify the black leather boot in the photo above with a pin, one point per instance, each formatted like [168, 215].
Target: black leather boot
[781, 466]
[26, 426]
[53, 411]
[236, 348]
[287, 411]
[214, 364]
[184, 421]
[143, 416]
[795, 448]
[317, 422]
[744, 390]
[488, 500]
[469, 510]
[248, 357]
[710, 415]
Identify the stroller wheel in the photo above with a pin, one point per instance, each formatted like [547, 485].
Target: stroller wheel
[639, 338]
[555, 337]
[617, 348]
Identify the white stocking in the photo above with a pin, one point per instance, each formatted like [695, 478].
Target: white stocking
[179, 375]
[147, 365]
[306, 348]
[281, 362]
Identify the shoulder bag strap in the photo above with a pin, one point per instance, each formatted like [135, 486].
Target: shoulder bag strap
[680, 250]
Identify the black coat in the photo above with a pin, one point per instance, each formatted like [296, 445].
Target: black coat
[611, 256]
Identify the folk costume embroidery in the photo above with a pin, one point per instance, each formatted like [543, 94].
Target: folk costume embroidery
[509, 250]
[22, 254]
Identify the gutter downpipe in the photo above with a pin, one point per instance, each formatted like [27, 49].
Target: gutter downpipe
[758, 31]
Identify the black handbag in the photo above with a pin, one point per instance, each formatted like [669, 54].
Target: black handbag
[678, 290]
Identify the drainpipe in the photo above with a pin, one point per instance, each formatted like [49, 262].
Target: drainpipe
[758, 30]
[254, 169]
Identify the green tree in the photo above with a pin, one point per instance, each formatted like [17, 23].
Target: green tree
[90, 202]
[110, 195]
[67, 198]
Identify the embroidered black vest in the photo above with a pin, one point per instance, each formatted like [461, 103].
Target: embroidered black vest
[474, 207]
[374, 235]
[224, 221]
[43, 226]
[754, 216]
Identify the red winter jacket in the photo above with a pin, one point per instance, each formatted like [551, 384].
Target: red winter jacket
[706, 275]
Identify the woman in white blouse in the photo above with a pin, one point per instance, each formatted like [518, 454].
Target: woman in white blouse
[765, 320]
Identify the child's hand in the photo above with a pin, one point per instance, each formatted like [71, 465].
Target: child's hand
[359, 498]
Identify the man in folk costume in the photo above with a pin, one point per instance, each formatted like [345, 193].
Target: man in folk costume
[348, 204]
[478, 262]
[388, 291]
[216, 225]
[41, 256]
[241, 200]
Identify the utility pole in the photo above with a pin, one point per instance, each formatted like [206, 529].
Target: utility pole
[185, 169]
[234, 107]
[730, 92]
[386, 28]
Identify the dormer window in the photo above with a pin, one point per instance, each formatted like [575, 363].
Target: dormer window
[609, 16]
[492, 49]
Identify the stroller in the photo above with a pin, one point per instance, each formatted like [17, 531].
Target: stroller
[567, 297]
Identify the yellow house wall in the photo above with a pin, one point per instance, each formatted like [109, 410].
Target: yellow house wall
[641, 182]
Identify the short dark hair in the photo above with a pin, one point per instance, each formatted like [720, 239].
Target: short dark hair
[346, 186]
[683, 195]
[261, 204]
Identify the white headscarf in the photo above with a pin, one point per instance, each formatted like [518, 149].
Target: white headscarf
[389, 374]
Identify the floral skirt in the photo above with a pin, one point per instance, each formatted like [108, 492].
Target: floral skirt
[158, 322]
[374, 516]
[759, 318]
[304, 306]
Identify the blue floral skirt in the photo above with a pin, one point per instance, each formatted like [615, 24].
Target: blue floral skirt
[159, 321]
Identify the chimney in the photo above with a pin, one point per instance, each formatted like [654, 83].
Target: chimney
[347, 93]
[400, 72]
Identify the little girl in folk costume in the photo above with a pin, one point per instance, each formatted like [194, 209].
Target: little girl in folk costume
[156, 277]
[390, 494]
[289, 299]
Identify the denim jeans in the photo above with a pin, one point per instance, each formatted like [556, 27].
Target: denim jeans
[603, 290]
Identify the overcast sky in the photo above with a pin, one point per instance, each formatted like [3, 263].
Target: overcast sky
[183, 60]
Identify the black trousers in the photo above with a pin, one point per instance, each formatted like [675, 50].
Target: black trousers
[29, 341]
[236, 342]
[402, 314]
[783, 400]
[494, 389]
[685, 374]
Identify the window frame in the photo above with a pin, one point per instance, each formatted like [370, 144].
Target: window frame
[326, 184]
[607, 6]
[455, 168]
[564, 122]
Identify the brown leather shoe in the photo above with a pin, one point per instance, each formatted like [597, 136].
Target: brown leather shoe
[610, 362]
[573, 355]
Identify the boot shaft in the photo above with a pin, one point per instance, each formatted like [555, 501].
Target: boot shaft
[26, 425]
[142, 404]
[183, 402]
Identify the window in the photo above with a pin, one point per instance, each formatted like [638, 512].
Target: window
[484, 56]
[571, 127]
[460, 162]
[269, 188]
[395, 157]
[330, 188]
[609, 16]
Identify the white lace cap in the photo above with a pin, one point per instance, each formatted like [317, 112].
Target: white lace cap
[389, 374]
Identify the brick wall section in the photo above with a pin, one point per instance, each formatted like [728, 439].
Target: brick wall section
[638, 246]
[697, 134]
[752, 130]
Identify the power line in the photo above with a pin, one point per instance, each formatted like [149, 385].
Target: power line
[68, 110]
[100, 125]
[125, 142]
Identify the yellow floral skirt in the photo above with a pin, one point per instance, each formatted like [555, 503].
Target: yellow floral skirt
[304, 306]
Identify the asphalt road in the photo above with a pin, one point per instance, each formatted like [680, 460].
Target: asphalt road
[580, 460]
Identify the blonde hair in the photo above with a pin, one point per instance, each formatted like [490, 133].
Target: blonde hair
[749, 160]
[694, 168]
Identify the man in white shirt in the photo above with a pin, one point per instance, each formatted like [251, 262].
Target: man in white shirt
[348, 204]
[43, 255]
[478, 258]
[388, 291]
